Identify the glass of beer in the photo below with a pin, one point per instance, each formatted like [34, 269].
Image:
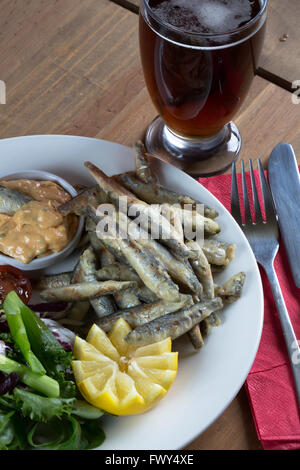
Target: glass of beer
[199, 59]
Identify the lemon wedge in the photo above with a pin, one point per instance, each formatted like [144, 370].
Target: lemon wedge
[119, 378]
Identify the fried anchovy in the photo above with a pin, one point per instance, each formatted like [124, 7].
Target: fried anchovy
[205, 328]
[142, 314]
[142, 166]
[149, 214]
[218, 253]
[126, 298]
[11, 200]
[76, 276]
[232, 289]
[117, 272]
[107, 259]
[146, 295]
[202, 269]
[173, 324]
[52, 280]
[150, 270]
[155, 193]
[216, 269]
[78, 310]
[197, 222]
[178, 268]
[74, 205]
[109, 244]
[196, 338]
[120, 272]
[214, 319]
[83, 291]
[170, 213]
[103, 305]
[194, 334]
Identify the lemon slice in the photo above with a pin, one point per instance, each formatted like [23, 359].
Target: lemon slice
[119, 378]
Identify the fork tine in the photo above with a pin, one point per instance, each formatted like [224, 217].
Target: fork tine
[248, 217]
[235, 204]
[266, 193]
[257, 210]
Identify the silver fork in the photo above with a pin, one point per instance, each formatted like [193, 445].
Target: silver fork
[263, 238]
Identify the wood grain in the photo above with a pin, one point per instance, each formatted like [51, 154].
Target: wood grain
[80, 66]
[73, 67]
[280, 60]
[132, 5]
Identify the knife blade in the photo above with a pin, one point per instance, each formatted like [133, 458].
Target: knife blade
[285, 187]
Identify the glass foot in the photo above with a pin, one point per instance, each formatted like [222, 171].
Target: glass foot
[197, 157]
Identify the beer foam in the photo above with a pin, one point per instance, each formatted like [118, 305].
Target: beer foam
[205, 16]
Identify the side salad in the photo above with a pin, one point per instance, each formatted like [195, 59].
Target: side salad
[40, 405]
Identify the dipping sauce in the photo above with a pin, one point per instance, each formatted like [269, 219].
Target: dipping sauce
[39, 190]
[37, 229]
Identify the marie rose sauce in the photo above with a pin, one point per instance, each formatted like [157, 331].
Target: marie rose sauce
[37, 229]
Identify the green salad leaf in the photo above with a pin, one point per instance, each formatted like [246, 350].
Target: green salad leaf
[7, 433]
[68, 434]
[57, 420]
[13, 352]
[41, 383]
[92, 436]
[12, 308]
[20, 426]
[40, 408]
[6, 403]
[84, 410]
[45, 346]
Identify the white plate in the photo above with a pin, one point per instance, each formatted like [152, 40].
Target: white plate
[207, 381]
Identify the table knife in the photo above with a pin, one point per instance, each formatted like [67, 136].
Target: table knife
[285, 186]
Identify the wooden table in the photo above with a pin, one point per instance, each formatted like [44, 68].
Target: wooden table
[72, 67]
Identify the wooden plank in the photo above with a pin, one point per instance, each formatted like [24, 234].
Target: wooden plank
[280, 60]
[73, 67]
[268, 117]
[73, 72]
[132, 5]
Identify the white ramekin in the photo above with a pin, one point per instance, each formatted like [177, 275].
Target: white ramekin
[41, 263]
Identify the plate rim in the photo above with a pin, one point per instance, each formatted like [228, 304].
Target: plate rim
[255, 347]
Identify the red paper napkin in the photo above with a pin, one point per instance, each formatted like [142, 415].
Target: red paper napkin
[270, 385]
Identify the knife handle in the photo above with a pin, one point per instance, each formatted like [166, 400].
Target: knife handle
[287, 328]
[285, 187]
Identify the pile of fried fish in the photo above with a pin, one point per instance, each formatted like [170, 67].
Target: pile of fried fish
[162, 287]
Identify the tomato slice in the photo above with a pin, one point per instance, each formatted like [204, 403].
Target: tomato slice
[14, 279]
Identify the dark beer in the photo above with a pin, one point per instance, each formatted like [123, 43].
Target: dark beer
[199, 59]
